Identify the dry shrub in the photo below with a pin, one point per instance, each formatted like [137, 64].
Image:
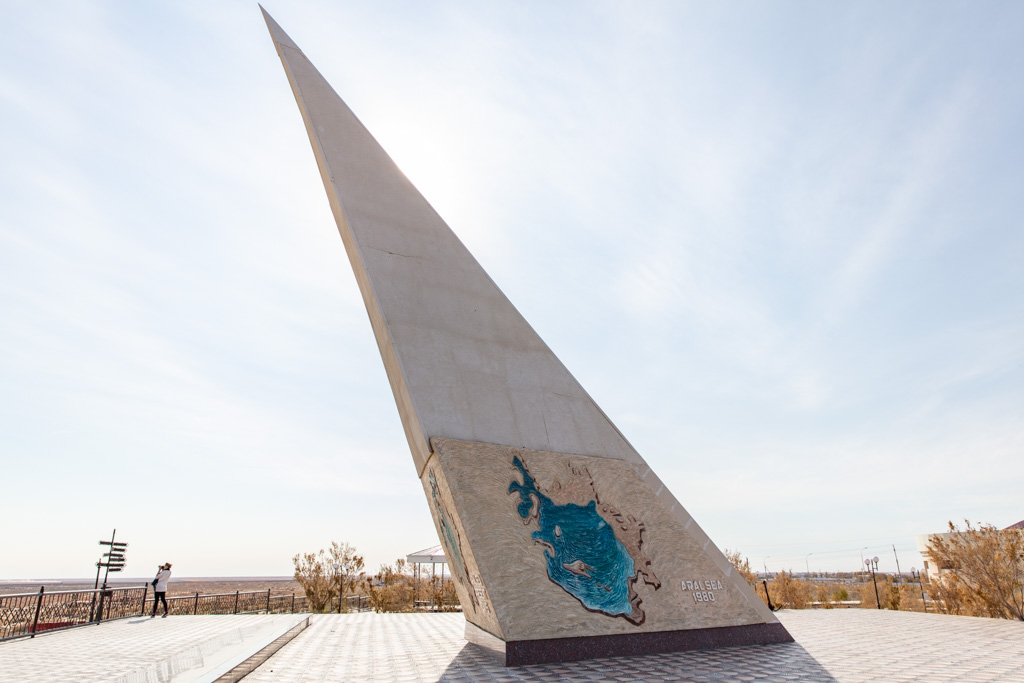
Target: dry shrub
[950, 596]
[893, 596]
[741, 565]
[866, 593]
[910, 597]
[984, 571]
[825, 596]
[443, 597]
[321, 580]
[790, 593]
[393, 589]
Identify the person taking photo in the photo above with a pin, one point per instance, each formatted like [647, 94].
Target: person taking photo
[160, 587]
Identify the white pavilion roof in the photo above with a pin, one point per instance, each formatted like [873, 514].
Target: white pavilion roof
[434, 555]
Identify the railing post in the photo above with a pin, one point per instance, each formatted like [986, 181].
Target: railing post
[236, 603]
[145, 594]
[195, 607]
[768, 595]
[99, 611]
[293, 602]
[268, 601]
[39, 606]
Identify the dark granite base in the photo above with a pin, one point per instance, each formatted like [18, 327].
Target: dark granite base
[523, 652]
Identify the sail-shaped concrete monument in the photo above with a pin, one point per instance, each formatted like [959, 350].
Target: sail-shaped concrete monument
[562, 541]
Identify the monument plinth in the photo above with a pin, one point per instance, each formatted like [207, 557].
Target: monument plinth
[563, 543]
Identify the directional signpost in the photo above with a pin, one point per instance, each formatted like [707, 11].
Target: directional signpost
[113, 561]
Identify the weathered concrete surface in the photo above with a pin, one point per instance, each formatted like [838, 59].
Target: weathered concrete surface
[462, 361]
[515, 600]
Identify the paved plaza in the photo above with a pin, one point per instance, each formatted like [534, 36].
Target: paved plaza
[183, 649]
[843, 645]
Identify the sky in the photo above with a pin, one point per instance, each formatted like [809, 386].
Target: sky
[780, 244]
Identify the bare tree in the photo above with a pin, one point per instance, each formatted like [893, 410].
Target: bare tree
[311, 573]
[347, 565]
[988, 563]
[325, 574]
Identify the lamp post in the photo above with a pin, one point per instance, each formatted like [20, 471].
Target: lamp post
[917, 575]
[872, 564]
[336, 566]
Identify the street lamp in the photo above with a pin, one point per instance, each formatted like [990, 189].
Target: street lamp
[917, 575]
[872, 564]
[336, 566]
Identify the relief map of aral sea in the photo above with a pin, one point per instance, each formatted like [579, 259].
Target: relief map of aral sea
[593, 550]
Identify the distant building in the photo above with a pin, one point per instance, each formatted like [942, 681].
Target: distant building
[931, 566]
[931, 569]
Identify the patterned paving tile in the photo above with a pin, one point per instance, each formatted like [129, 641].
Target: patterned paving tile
[844, 645]
[135, 649]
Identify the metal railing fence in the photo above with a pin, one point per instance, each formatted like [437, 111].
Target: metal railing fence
[239, 602]
[353, 603]
[435, 606]
[26, 614]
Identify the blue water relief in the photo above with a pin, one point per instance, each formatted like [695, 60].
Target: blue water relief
[583, 555]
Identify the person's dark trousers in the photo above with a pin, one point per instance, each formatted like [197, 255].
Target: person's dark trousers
[159, 597]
